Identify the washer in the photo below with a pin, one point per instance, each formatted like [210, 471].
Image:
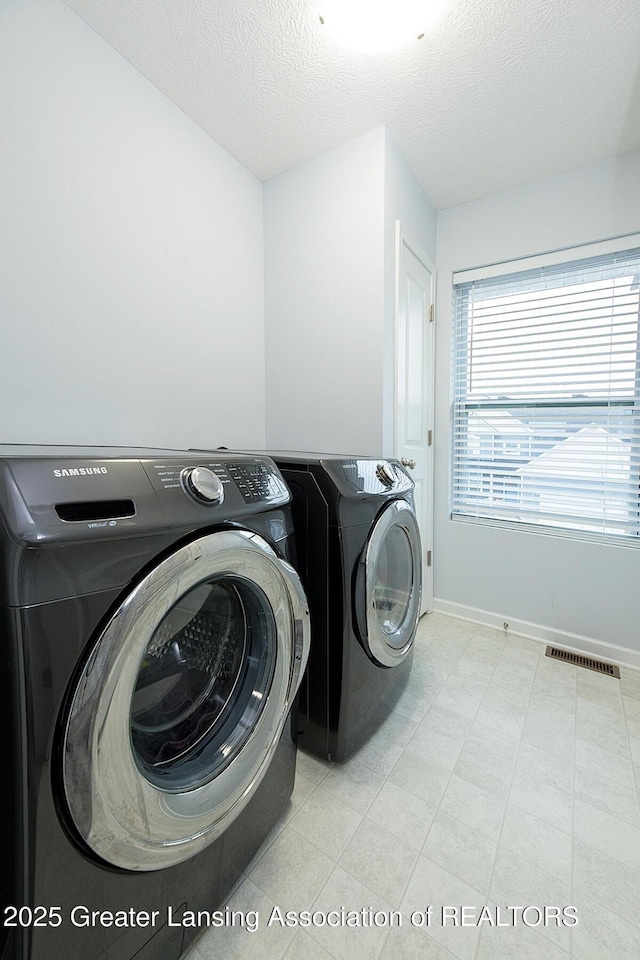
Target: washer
[360, 559]
[154, 637]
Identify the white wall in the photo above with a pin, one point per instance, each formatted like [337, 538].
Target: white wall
[131, 260]
[330, 295]
[324, 260]
[548, 586]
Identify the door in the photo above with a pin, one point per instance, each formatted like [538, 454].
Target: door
[392, 567]
[415, 388]
[180, 706]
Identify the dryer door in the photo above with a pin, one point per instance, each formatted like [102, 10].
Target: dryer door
[179, 708]
[392, 564]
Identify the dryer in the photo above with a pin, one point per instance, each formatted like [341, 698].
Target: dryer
[154, 637]
[360, 558]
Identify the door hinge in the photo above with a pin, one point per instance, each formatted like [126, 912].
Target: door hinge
[432, 313]
[429, 437]
[428, 558]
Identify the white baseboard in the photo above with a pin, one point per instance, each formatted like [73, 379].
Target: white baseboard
[587, 646]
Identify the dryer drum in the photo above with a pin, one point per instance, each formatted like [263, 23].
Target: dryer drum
[201, 687]
[182, 701]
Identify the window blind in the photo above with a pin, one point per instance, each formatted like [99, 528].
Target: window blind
[546, 412]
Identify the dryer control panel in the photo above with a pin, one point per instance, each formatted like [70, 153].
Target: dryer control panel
[353, 477]
[361, 477]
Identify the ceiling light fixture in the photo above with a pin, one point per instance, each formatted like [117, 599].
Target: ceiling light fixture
[379, 26]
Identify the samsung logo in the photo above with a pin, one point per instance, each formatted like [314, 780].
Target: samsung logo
[80, 471]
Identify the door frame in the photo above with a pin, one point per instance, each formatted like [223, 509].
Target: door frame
[404, 238]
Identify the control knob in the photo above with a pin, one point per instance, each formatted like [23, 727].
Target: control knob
[203, 485]
[385, 474]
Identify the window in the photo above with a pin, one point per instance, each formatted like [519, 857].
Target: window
[546, 410]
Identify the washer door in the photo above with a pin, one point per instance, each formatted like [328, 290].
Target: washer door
[181, 704]
[392, 563]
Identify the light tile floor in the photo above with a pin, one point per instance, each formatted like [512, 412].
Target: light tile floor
[501, 778]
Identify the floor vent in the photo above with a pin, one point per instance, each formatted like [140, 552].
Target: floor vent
[588, 663]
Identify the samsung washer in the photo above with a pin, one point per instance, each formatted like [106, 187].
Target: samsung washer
[155, 633]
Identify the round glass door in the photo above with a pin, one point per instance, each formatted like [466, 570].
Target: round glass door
[393, 583]
[393, 577]
[182, 701]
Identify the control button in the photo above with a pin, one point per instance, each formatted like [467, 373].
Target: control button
[385, 474]
[203, 485]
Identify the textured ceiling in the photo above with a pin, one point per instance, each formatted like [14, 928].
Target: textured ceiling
[502, 93]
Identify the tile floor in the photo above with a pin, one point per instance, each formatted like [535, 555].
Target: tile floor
[501, 778]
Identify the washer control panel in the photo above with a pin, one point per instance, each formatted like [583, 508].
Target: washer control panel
[209, 482]
[253, 480]
[84, 493]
